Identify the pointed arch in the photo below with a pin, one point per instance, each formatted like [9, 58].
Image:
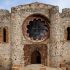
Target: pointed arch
[36, 57]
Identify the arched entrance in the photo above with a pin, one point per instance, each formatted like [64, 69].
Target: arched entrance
[36, 57]
[35, 54]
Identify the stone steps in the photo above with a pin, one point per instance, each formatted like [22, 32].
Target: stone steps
[39, 67]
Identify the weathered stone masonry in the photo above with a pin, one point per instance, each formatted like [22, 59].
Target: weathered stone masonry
[16, 52]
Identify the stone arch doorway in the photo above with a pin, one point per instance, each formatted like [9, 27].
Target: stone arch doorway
[36, 57]
[31, 51]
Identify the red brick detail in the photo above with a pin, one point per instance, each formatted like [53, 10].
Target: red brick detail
[28, 49]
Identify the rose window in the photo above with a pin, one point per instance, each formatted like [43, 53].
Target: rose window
[37, 29]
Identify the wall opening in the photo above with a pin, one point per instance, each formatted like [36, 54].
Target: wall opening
[35, 54]
[36, 28]
[4, 35]
[36, 57]
[68, 33]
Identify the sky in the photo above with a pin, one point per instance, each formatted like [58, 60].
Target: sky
[7, 4]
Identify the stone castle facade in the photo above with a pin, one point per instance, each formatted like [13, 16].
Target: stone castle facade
[35, 33]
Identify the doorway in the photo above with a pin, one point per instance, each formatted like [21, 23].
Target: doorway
[36, 57]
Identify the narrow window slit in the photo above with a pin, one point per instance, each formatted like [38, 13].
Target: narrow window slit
[4, 35]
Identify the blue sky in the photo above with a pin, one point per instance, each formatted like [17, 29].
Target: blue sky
[7, 4]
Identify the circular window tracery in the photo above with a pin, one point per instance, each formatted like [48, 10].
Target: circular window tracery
[36, 28]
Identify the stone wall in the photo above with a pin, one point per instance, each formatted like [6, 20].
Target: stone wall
[12, 53]
[55, 38]
[18, 40]
[65, 16]
[5, 47]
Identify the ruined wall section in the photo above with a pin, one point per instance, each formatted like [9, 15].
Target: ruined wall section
[56, 38]
[65, 16]
[5, 47]
[18, 15]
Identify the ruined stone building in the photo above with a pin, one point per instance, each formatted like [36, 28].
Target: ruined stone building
[34, 34]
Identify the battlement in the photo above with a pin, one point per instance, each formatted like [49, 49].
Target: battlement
[3, 12]
[65, 12]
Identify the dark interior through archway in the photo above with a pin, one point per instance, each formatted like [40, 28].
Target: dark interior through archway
[37, 29]
[36, 58]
